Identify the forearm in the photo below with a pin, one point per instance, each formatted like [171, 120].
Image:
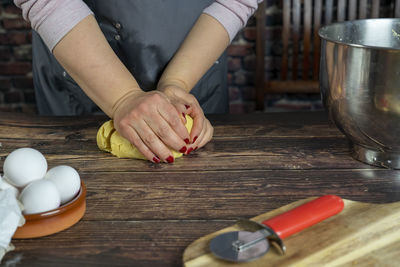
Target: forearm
[202, 47]
[87, 57]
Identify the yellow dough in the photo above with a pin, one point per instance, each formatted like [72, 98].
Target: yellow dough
[108, 139]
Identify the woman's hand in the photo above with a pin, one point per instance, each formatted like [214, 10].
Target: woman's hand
[203, 45]
[151, 123]
[186, 103]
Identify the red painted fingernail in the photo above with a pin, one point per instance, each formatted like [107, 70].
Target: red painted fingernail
[190, 150]
[194, 139]
[156, 159]
[183, 114]
[170, 159]
[183, 149]
[195, 148]
[187, 141]
[187, 106]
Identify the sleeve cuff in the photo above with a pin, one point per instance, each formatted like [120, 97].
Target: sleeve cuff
[61, 20]
[231, 22]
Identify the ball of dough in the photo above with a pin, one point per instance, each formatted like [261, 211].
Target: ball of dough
[108, 139]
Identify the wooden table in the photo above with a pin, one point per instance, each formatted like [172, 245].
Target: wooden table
[145, 214]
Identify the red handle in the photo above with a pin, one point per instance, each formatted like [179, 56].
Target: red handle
[308, 214]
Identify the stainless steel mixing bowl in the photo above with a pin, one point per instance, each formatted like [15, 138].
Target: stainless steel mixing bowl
[360, 86]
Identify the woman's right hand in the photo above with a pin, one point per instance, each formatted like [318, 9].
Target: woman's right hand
[150, 122]
[186, 103]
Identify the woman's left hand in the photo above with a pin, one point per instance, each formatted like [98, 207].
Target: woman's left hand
[186, 103]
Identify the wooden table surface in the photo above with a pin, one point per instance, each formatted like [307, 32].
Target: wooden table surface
[144, 214]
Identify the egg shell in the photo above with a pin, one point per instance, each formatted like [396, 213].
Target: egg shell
[67, 181]
[23, 166]
[5, 185]
[40, 196]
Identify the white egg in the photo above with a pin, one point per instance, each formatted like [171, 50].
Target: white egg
[40, 196]
[67, 181]
[23, 166]
[5, 185]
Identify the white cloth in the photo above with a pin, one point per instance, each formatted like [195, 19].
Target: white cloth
[10, 218]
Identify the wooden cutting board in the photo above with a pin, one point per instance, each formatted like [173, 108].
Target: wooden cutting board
[362, 234]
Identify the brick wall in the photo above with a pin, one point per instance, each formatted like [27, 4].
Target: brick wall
[242, 62]
[16, 88]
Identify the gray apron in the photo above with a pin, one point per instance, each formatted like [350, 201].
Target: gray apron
[145, 35]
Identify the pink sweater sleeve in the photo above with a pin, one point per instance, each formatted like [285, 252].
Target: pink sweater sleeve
[53, 19]
[232, 14]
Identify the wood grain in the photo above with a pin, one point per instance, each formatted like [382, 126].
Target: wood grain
[260, 51]
[340, 240]
[296, 17]
[113, 243]
[16, 126]
[316, 39]
[285, 39]
[128, 196]
[307, 19]
[234, 154]
[292, 86]
[145, 214]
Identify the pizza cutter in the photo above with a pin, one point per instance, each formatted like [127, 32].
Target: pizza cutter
[242, 246]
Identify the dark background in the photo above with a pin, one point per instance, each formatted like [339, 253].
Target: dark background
[16, 87]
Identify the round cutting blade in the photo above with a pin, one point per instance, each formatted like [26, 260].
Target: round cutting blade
[226, 246]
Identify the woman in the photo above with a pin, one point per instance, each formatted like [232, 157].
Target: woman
[144, 63]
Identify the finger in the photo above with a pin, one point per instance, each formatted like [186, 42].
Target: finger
[183, 100]
[166, 134]
[131, 135]
[208, 134]
[181, 109]
[203, 138]
[151, 140]
[177, 132]
[197, 115]
[192, 108]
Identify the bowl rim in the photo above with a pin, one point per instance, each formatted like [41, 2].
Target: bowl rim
[324, 37]
[77, 200]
